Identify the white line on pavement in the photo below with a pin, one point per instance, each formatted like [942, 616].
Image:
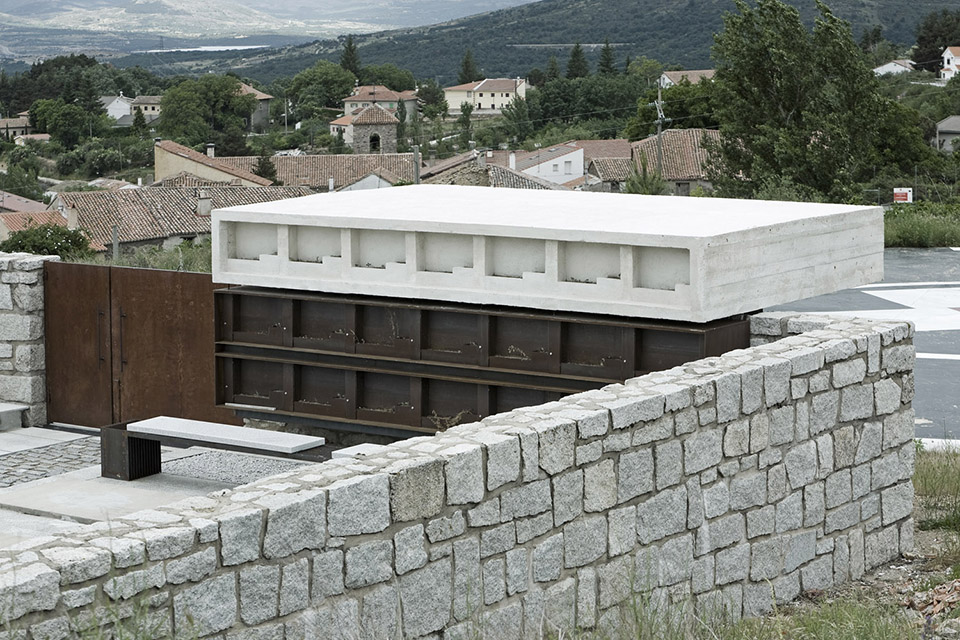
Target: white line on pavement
[938, 356]
[907, 285]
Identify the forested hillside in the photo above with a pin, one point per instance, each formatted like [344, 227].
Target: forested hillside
[676, 32]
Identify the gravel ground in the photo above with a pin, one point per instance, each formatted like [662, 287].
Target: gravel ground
[228, 467]
[33, 464]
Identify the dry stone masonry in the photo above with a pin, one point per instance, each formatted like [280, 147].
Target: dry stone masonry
[727, 484]
[22, 367]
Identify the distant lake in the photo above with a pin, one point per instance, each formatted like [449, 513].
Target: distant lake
[210, 48]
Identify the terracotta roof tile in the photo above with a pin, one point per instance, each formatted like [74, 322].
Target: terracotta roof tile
[246, 89]
[150, 214]
[490, 175]
[684, 155]
[691, 75]
[612, 169]
[378, 92]
[20, 220]
[22, 121]
[490, 84]
[214, 163]
[315, 171]
[186, 179]
[617, 148]
[533, 158]
[375, 114]
[13, 202]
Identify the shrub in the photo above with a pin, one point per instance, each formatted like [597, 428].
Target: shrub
[47, 240]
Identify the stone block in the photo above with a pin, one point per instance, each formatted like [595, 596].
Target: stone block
[818, 575]
[497, 540]
[733, 564]
[628, 411]
[369, 563]
[425, 596]
[467, 588]
[6, 297]
[886, 395]
[801, 463]
[327, 574]
[861, 480]
[844, 446]
[751, 387]
[504, 623]
[799, 549]
[701, 575]
[823, 410]
[702, 451]
[622, 529]
[416, 488]
[765, 559]
[896, 503]
[839, 488]
[777, 486]
[898, 358]
[843, 517]
[259, 593]
[463, 472]
[653, 431]
[599, 486]
[534, 527]
[192, 568]
[78, 565]
[849, 372]
[728, 397]
[295, 521]
[170, 542]
[359, 505]
[294, 586]
[662, 515]
[337, 620]
[22, 389]
[615, 579]
[716, 500]
[898, 428]
[635, 474]
[132, 583]
[804, 360]
[503, 458]
[208, 607]
[814, 508]
[240, 536]
[380, 617]
[589, 453]
[557, 440]
[518, 571]
[736, 438]
[676, 560]
[720, 533]
[525, 500]
[757, 600]
[886, 470]
[409, 549]
[871, 438]
[748, 490]
[856, 403]
[445, 528]
[494, 574]
[761, 521]
[585, 540]
[16, 328]
[485, 514]
[759, 432]
[29, 358]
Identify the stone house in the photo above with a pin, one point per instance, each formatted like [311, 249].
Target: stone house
[685, 158]
[320, 171]
[170, 159]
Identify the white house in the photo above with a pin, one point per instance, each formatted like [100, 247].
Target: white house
[948, 130]
[951, 62]
[487, 96]
[117, 106]
[894, 67]
[693, 76]
[560, 164]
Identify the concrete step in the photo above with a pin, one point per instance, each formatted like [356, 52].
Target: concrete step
[11, 415]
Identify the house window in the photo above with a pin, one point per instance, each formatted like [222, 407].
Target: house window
[556, 168]
[481, 95]
[568, 166]
[353, 105]
[493, 106]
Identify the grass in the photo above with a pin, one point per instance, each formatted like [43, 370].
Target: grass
[936, 481]
[189, 256]
[924, 224]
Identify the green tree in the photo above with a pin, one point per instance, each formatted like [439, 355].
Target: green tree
[935, 32]
[647, 68]
[645, 182]
[208, 109]
[22, 182]
[389, 75]
[553, 69]
[793, 103]
[433, 103]
[517, 116]
[48, 240]
[607, 65]
[686, 106]
[322, 86]
[349, 58]
[139, 127]
[577, 65]
[265, 168]
[536, 77]
[67, 125]
[468, 70]
[464, 124]
[402, 124]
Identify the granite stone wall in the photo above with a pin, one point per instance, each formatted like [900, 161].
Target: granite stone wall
[727, 484]
[22, 367]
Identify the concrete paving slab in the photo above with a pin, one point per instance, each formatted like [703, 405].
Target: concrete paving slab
[18, 527]
[33, 438]
[86, 497]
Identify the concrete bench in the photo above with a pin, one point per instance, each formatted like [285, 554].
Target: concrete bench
[11, 415]
[131, 450]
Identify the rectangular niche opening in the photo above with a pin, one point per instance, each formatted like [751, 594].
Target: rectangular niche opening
[587, 261]
[374, 249]
[512, 257]
[661, 267]
[252, 240]
[313, 244]
[444, 252]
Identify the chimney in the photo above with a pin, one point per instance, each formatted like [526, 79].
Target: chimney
[204, 203]
[416, 164]
[140, 181]
[210, 150]
[513, 160]
[330, 184]
[482, 159]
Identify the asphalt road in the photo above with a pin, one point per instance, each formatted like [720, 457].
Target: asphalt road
[923, 286]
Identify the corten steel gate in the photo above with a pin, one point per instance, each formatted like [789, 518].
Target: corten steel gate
[400, 366]
[126, 344]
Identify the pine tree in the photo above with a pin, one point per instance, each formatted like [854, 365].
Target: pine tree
[266, 169]
[577, 65]
[553, 69]
[606, 66]
[468, 70]
[139, 127]
[349, 58]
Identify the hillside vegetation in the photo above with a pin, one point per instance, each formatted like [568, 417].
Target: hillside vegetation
[678, 32]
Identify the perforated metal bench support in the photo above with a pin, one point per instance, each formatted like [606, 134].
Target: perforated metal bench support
[124, 456]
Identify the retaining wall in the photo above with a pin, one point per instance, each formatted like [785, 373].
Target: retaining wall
[22, 366]
[725, 484]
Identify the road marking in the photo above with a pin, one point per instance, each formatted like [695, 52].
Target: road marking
[938, 356]
[907, 285]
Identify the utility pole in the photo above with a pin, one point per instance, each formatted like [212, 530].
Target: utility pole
[661, 119]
